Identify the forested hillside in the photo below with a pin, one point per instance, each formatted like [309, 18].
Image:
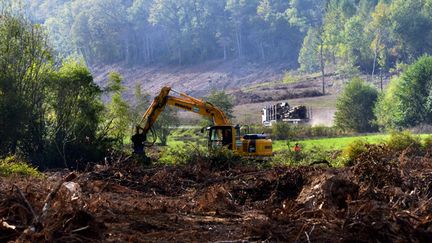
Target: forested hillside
[351, 35]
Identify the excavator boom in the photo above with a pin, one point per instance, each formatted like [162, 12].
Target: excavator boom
[182, 101]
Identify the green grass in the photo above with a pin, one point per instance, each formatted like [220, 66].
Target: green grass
[325, 144]
[339, 143]
[12, 165]
[290, 78]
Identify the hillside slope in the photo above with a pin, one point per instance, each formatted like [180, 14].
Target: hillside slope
[253, 86]
[196, 80]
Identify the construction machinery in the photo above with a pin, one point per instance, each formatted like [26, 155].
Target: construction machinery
[283, 112]
[221, 134]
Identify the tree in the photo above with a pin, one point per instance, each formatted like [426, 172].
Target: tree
[165, 124]
[25, 63]
[139, 105]
[311, 14]
[379, 29]
[355, 49]
[118, 110]
[354, 107]
[145, 32]
[223, 101]
[74, 115]
[173, 16]
[387, 110]
[309, 53]
[412, 26]
[408, 101]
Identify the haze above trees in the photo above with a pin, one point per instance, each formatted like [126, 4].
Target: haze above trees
[352, 35]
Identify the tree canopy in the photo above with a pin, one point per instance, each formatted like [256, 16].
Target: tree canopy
[408, 100]
[350, 34]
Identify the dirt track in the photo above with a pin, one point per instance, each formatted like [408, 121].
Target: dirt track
[386, 198]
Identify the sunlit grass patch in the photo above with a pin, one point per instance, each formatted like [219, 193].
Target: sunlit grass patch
[12, 165]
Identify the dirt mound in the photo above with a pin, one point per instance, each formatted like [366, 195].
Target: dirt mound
[328, 191]
[385, 197]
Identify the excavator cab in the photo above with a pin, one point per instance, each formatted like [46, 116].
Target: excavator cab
[221, 136]
[254, 145]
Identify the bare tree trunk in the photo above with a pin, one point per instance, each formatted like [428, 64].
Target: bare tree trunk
[127, 54]
[179, 55]
[322, 66]
[224, 52]
[62, 153]
[147, 43]
[239, 43]
[126, 40]
[262, 51]
[151, 55]
[375, 56]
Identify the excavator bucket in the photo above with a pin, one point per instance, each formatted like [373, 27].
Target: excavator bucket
[138, 141]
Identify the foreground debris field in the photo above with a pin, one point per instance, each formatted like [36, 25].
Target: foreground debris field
[385, 197]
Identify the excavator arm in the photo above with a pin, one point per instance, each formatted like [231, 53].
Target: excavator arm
[182, 101]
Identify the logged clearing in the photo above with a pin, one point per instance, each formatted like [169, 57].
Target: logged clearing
[385, 197]
[252, 86]
[196, 80]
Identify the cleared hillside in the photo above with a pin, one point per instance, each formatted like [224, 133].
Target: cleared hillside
[252, 86]
[196, 80]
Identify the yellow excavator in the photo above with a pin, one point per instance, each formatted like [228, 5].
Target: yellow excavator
[221, 134]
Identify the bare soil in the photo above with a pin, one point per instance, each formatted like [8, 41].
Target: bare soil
[385, 197]
[196, 80]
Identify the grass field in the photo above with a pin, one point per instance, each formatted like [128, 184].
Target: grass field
[339, 143]
[325, 144]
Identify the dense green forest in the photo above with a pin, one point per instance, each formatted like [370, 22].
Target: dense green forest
[351, 35]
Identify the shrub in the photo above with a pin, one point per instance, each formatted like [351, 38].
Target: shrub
[281, 131]
[323, 131]
[354, 107]
[285, 131]
[288, 78]
[351, 152]
[402, 140]
[304, 157]
[427, 143]
[189, 154]
[13, 165]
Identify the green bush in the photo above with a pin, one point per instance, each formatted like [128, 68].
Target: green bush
[351, 152]
[289, 78]
[13, 165]
[285, 131]
[324, 131]
[220, 158]
[281, 131]
[427, 143]
[402, 140]
[354, 107]
[304, 157]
